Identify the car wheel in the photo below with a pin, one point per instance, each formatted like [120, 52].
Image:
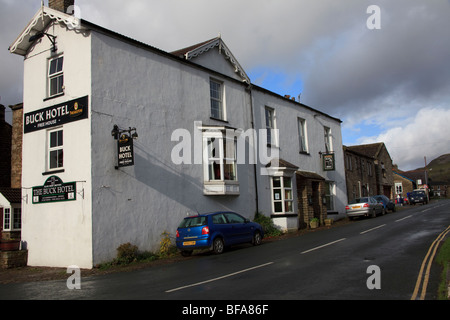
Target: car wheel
[257, 239]
[218, 245]
[186, 253]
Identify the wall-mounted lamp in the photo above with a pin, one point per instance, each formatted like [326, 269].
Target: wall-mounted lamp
[40, 35]
[116, 132]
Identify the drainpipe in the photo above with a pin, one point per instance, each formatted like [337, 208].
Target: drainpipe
[250, 92]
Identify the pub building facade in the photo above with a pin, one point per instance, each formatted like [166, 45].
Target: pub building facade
[123, 140]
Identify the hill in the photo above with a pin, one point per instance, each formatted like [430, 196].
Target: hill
[438, 170]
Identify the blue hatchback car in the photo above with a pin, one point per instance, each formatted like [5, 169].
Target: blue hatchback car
[215, 231]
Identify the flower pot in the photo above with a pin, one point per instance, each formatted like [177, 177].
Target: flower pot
[9, 245]
[328, 222]
[314, 224]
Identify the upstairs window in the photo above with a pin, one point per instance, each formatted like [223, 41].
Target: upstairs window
[302, 135]
[55, 150]
[270, 126]
[217, 105]
[56, 76]
[327, 136]
[221, 159]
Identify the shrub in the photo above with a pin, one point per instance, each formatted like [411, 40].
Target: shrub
[165, 245]
[267, 224]
[127, 253]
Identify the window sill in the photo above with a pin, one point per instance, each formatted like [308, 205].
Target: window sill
[221, 188]
[283, 215]
[54, 97]
[53, 172]
[218, 119]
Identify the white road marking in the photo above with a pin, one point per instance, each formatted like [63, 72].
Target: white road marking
[323, 246]
[219, 278]
[403, 219]
[372, 229]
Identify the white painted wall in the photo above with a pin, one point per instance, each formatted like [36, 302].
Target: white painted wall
[286, 119]
[58, 234]
[135, 87]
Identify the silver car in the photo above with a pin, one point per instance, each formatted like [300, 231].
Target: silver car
[364, 206]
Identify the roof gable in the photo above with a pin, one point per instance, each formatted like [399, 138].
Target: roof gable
[198, 51]
[40, 22]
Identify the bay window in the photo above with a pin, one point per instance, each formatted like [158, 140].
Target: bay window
[282, 195]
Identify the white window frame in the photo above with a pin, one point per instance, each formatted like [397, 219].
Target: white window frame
[280, 195]
[217, 99]
[270, 121]
[217, 142]
[302, 135]
[57, 75]
[6, 219]
[330, 195]
[12, 216]
[328, 140]
[57, 148]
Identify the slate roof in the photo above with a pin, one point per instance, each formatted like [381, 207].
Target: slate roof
[12, 195]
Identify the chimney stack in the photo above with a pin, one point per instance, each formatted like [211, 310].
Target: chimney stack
[2, 113]
[61, 5]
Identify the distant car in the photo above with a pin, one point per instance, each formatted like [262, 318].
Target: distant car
[387, 203]
[418, 196]
[215, 231]
[364, 206]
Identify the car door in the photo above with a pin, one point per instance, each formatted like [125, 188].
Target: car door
[221, 227]
[240, 229]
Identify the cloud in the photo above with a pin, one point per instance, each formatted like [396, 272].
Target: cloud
[368, 78]
[426, 135]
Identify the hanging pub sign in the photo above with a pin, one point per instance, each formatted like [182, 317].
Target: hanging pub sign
[56, 115]
[125, 151]
[328, 162]
[54, 190]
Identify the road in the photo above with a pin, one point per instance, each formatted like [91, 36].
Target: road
[336, 264]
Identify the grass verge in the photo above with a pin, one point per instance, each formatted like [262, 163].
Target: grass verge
[443, 259]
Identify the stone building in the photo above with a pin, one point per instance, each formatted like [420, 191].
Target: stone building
[375, 165]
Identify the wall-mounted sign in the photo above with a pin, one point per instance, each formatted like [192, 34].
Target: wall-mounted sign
[56, 115]
[54, 190]
[328, 162]
[125, 151]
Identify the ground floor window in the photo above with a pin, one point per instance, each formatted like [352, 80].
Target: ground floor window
[12, 220]
[329, 195]
[282, 195]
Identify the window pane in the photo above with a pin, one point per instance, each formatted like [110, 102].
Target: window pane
[214, 170]
[52, 67]
[234, 218]
[56, 159]
[278, 206]
[230, 172]
[287, 183]
[277, 194]
[288, 206]
[276, 183]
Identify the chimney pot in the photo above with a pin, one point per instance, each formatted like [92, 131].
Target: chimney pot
[61, 5]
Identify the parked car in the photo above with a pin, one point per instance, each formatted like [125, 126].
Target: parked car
[387, 203]
[365, 206]
[215, 231]
[418, 196]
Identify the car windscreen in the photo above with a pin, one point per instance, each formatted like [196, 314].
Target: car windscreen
[359, 200]
[193, 222]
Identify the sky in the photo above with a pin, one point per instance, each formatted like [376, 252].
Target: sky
[387, 84]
